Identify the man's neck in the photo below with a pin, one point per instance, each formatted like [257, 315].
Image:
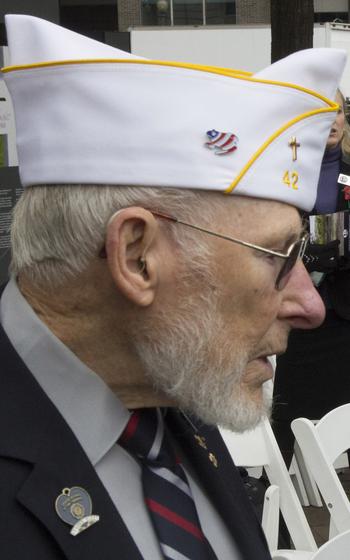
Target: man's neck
[89, 324]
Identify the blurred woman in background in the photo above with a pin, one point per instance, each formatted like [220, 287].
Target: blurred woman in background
[313, 376]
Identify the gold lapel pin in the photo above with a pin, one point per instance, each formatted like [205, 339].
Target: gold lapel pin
[200, 440]
[202, 443]
[74, 507]
[213, 459]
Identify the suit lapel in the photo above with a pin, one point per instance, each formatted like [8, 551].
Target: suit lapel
[208, 455]
[32, 430]
[40, 491]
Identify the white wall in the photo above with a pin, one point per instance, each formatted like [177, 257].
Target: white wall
[331, 6]
[242, 47]
[7, 120]
[340, 39]
[247, 48]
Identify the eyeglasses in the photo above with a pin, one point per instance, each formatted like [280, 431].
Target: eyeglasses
[294, 252]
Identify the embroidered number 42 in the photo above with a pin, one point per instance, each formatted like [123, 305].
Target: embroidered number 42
[291, 179]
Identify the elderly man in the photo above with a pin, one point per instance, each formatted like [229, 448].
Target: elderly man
[145, 300]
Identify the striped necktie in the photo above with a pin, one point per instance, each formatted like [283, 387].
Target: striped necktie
[166, 489]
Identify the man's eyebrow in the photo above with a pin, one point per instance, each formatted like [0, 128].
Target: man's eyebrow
[282, 240]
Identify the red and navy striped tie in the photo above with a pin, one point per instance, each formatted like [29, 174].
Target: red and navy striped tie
[166, 489]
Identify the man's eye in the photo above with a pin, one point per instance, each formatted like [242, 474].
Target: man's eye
[268, 256]
[272, 258]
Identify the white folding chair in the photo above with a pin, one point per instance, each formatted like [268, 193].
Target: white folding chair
[321, 444]
[270, 517]
[337, 548]
[258, 448]
[303, 480]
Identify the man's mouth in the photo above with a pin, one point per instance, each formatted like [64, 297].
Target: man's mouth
[258, 371]
[265, 360]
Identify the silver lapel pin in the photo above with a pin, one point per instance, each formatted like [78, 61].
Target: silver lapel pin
[74, 507]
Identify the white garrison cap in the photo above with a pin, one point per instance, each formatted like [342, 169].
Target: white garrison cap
[89, 113]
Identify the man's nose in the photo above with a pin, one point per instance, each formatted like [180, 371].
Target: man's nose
[302, 305]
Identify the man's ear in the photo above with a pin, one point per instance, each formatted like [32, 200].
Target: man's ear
[132, 253]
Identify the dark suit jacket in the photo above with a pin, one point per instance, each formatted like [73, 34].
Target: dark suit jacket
[39, 456]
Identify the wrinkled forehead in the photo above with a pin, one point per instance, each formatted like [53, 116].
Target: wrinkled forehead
[262, 221]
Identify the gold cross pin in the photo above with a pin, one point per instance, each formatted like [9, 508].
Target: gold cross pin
[294, 145]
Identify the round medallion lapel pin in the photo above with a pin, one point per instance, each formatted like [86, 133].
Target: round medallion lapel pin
[74, 507]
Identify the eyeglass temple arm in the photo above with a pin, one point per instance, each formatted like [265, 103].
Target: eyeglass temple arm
[220, 235]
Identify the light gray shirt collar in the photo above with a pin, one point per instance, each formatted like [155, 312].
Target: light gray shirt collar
[93, 412]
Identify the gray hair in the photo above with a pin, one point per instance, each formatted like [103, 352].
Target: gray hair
[57, 230]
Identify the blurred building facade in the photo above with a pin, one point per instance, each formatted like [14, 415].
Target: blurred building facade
[102, 19]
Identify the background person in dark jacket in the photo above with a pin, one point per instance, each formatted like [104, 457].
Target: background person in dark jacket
[312, 377]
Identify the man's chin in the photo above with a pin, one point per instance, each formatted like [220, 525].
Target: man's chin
[238, 417]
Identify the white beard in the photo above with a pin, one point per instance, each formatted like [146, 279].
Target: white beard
[182, 353]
